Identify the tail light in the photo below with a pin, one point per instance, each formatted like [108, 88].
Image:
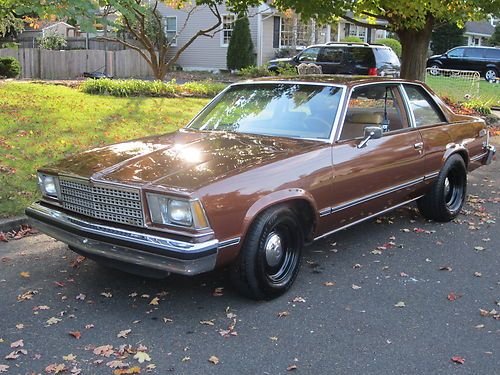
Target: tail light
[372, 71]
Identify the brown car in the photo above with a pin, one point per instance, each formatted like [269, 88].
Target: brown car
[264, 168]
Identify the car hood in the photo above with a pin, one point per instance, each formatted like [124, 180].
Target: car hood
[181, 161]
[283, 59]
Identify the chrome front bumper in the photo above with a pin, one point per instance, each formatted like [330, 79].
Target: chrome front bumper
[490, 153]
[124, 246]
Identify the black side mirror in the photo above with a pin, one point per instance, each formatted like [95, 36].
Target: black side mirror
[371, 132]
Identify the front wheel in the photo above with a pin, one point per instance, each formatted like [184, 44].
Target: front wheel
[434, 69]
[269, 260]
[446, 197]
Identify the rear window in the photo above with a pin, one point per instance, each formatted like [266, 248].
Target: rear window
[386, 56]
[362, 56]
[492, 53]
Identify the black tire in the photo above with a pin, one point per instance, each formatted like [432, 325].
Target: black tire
[262, 275]
[444, 201]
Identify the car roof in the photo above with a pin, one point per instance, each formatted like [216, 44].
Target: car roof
[346, 80]
[486, 47]
[349, 44]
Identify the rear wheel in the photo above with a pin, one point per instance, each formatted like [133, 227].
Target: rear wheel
[447, 195]
[270, 258]
[491, 75]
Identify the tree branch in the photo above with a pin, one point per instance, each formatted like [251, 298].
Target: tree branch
[364, 24]
[126, 44]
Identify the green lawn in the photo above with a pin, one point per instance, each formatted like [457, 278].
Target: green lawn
[456, 88]
[42, 123]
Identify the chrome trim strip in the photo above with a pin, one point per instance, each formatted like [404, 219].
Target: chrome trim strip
[431, 175]
[367, 218]
[121, 234]
[369, 197]
[478, 157]
[230, 242]
[409, 112]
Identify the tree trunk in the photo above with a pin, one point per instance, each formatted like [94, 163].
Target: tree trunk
[415, 44]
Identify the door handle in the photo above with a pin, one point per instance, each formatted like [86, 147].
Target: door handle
[419, 145]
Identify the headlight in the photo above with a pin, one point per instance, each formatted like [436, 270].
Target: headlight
[48, 185]
[168, 210]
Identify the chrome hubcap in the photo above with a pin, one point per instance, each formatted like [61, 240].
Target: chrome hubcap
[274, 249]
[490, 74]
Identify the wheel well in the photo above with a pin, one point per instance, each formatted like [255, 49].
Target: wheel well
[463, 155]
[306, 214]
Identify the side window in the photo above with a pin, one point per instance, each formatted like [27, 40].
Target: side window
[476, 53]
[456, 52]
[492, 53]
[423, 107]
[373, 105]
[309, 54]
[331, 55]
[362, 56]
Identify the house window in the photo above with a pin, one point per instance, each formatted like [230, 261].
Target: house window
[294, 33]
[171, 29]
[358, 31]
[227, 29]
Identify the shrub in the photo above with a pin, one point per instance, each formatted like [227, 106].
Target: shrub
[352, 39]
[136, 87]
[263, 71]
[9, 67]
[480, 106]
[393, 43]
[240, 50]
[52, 41]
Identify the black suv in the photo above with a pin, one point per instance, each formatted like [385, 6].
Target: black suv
[485, 60]
[347, 58]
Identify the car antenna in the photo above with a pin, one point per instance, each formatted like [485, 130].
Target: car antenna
[385, 121]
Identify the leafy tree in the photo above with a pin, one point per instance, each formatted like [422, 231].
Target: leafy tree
[52, 41]
[240, 50]
[445, 37]
[9, 20]
[494, 40]
[411, 20]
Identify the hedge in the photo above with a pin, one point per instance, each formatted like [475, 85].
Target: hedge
[9, 67]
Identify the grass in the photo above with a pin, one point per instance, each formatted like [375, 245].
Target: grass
[456, 88]
[42, 123]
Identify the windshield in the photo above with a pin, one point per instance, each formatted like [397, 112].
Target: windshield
[276, 109]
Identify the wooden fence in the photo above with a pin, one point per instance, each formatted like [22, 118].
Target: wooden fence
[42, 64]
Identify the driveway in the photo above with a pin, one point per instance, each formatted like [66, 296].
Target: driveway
[341, 316]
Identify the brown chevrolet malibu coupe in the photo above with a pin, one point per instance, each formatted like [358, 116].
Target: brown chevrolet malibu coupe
[266, 167]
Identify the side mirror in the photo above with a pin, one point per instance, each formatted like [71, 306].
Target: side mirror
[371, 132]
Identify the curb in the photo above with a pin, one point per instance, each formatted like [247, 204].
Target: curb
[12, 223]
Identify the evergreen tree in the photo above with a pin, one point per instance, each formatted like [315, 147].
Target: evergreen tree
[494, 40]
[240, 52]
[445, 37]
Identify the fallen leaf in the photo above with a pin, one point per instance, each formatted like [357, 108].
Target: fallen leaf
[69, 357]
[453, 297]
[116, 364]
[213, 359]
[329, 283]
[218, 292]
[355, 287]
[207, 322]
[273, 338]
[124, 333]
[458, 359]
[479, 326]
[445, 268]
[24, 274]
[167, 320]
[154, 301]
[400, 304]
[298, 299]
[291, 368]
[75, 334]
[185, 359]
[12, 355]
[478, 248]
[104, 350]
[282, 314]
[17, 344]
[89, 326]
[55, 368]
[52, 321]
[81, 297]
[107, 294]
[142, 356]
[478, 274]
[132, 370]
[4, 368]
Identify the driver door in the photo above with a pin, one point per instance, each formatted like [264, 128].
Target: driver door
[385, 172]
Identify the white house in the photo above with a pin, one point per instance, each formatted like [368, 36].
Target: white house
[270, 31]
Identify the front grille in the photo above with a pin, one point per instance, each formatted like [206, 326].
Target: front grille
[116, 204]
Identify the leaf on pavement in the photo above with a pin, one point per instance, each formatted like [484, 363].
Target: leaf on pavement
[24, 274]
[17, 344]
[116, 364]
[69, 357]
[291, 368]
[329, 283]
[213, 359]
[400, 304]
[52, 321]
[478, 274]
[154, 301]
[458, 359]
[124, 333]
[355, 287]
[282, 314]
[4, 368]
[107, 294]
[142, 356]
[445, 268]
[298, 299]
[218, 292]
[75, 334]
[207, 322]
[478, 248]
[453, 297]
[104, 350]
[132, 370]
[56, 368]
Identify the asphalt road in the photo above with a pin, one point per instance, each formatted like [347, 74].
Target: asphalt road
[329, 329]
